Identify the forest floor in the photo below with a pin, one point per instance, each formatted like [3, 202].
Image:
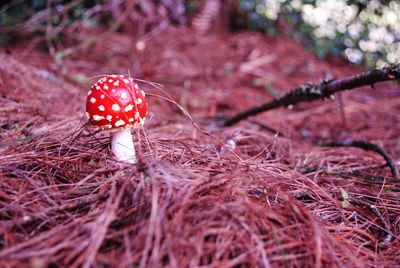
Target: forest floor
[264, 192]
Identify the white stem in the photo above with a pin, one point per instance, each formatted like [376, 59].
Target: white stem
[122, 145]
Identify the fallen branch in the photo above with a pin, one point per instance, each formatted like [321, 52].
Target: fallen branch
[312, 92]
[385, 225]
[369, 147]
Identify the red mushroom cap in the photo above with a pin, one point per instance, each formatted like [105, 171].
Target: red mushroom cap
[116, 102]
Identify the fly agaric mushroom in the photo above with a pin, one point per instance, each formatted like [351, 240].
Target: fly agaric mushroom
[116, 104]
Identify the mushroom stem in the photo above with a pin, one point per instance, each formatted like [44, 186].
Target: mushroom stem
[122, 145]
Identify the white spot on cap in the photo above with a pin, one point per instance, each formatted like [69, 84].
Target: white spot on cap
[123, 94]
[108, 126]
[131, 119]
[115, 107]
[97, 87]
[119, 123]
[141, 121]
[136, 86]
[103, 79]
[116, 83]
[137, 115]
[113, 76]
[113, 90]
[128, 108]
[143, 93]
[109, 117]
[105, 87]
[102, 96]
[101, 108]
[97, 117]
[110, 80]
[89, 92]
[87, 115]
[126, 81]
[139, 101]
[92, 100]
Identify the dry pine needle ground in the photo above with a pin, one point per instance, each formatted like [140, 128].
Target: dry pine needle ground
[200, 196]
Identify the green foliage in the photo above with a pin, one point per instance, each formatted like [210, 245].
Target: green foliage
[192, 6]
[362, 31]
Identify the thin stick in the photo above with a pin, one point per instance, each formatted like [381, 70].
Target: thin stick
[369, 147]
[385, 225]
[312, 92]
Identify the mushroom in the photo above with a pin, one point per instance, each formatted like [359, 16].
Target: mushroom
[115, 103]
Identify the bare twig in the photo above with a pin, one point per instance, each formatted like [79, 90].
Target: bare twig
[369, 147]
[385, 225]
[312, 92]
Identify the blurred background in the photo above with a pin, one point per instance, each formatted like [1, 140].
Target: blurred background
[361, 31]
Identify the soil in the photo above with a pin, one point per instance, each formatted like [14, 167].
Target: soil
[200, 195]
